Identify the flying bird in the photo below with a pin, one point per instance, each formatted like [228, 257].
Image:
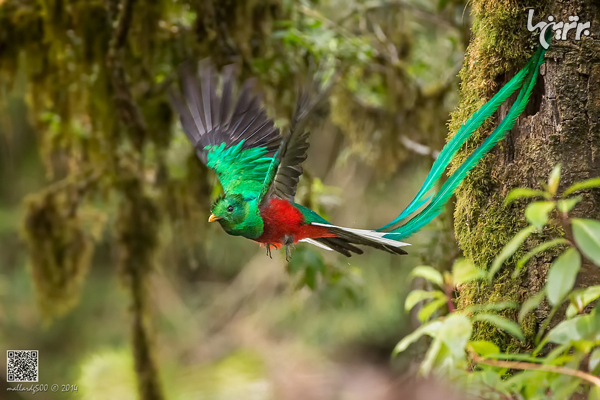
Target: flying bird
[259, 168]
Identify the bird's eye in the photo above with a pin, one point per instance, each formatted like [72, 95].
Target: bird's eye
[230, 208]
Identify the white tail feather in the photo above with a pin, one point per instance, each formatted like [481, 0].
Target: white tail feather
[367, 234]
[314, 242]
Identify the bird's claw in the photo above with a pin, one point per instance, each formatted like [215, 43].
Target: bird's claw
[288, 241]
[268, 246]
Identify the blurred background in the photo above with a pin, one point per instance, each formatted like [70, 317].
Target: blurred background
[108, 265]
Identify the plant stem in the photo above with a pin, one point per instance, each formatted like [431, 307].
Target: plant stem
[540, 334]
[449, 289]
[531, 366]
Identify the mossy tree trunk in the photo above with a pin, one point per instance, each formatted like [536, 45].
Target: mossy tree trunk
[561, 125]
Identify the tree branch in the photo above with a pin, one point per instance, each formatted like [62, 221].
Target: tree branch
[136, 249]
[418, 147]
[421, 12]
[127, 108]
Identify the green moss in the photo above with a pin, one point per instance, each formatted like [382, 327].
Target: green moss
[504, 288]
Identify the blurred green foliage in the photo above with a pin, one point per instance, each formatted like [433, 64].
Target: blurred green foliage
[563, 362]
[104, 205]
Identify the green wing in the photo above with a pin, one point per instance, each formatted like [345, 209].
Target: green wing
[238, 142]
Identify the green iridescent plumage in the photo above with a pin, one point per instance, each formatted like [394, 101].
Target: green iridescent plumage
[240, 171]
[243, 220]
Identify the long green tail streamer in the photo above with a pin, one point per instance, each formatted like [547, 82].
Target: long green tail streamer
[525, 79]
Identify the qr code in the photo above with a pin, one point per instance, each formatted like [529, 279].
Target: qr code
[22, 365]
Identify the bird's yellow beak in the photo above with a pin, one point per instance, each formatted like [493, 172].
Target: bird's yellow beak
[213, 218]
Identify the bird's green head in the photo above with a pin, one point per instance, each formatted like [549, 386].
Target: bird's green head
[237, 215]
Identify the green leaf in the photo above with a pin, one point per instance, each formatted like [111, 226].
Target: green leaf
[562, 274]
[483, 347]
[594, 360]
[538, 249]
[509, 250]
[310, 278]
[554, 180]
[530, 304]
[571, 310]
[517, 357]
[564, 388]
[587, 237]
[563, 333]
[417, 296]
[594, 393]
[537, 213]
[427, 329]
[428, 273]
[442, 4]
[502, 323]
[564, 206]
[581, 299]
[430, 355]
[587, 184]
[428, 309]
[521, 193]
[464, 271]
[557, 354]
[307, 258]
[582, 327]
[455, 334]
[588, 326]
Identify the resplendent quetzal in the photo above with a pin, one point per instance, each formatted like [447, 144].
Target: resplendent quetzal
[259, 169]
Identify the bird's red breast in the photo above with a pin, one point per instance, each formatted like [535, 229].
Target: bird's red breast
[281, 219]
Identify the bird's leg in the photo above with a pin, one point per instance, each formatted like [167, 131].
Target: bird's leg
[268, 246]
[288, 253]
[288, 241]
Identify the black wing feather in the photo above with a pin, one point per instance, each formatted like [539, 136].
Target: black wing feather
[207, 118]
[292, 151]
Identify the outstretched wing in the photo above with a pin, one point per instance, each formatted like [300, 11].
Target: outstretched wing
[285, 170]
[238, 142]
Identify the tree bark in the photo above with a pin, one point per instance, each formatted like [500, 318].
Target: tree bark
[559, 126]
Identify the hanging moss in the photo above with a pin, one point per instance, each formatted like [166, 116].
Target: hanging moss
[60, 247]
